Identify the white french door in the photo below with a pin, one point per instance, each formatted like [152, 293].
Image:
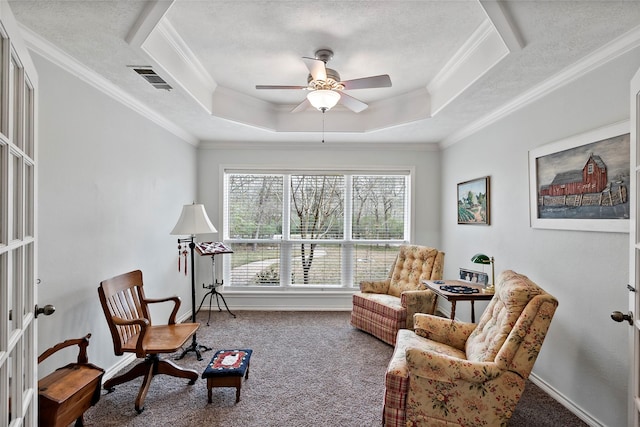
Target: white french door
[634, 262]
[18, 177]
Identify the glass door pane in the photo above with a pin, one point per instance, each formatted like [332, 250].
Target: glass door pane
[4, 190]
[16, 290]
[29, 146]
[16, 197]
[15, 133]
[29, 200]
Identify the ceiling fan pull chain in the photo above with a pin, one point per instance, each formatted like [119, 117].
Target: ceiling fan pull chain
[323, 111]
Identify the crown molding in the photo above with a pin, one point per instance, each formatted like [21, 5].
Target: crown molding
[504, 24]
[65, 61]
[609, 52]
[169, 52]
[152, 13]
[333, 146]
[479, 54]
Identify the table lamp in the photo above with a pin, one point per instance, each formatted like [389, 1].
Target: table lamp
[484, 259]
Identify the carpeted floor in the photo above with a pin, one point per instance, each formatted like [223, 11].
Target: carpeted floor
[307, 369]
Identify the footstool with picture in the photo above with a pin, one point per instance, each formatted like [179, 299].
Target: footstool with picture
[226, 369]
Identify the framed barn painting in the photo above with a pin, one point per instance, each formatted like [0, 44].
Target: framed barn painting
[582, 182]
[473, 201]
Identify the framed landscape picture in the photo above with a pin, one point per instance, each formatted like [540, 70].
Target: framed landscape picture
[582, 182]
[473, 201]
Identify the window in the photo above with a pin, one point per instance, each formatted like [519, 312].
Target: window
[311, 228]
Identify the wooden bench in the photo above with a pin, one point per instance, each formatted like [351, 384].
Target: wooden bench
[65, 394]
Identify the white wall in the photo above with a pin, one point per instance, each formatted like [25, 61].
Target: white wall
[584, 357]
[111, 188]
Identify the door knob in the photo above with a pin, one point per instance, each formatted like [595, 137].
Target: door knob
[47, 310]
[619, 317]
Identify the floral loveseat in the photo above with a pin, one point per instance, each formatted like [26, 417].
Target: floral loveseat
[383, 307]
[451, 373]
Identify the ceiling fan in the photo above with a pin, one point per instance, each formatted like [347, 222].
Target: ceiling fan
[326, 88]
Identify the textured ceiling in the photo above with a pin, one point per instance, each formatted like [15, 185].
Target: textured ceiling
[239, 44]
[240, 52]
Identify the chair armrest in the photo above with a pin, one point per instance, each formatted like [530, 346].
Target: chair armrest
[154, 300]
[444, 368]
[447, 331]
[375, 287]
[82, 343]
[418, 301]
[176, 306]
[142, 323]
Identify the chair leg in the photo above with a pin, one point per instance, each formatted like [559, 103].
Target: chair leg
[144, 387]
[137, 371]
[152, 365]
[167, 367]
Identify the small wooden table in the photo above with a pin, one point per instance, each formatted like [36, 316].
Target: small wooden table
[454, 297]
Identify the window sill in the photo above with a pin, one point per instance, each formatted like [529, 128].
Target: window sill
[231, 290]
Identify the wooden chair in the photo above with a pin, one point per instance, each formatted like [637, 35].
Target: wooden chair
[65, 394]
[126, 311]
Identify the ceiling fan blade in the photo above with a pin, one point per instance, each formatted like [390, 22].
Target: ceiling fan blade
[382, 80]
[280, 87]
[316, 68]
[351, 103]
[302, 106]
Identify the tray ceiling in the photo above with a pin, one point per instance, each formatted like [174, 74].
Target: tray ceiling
[452, 63]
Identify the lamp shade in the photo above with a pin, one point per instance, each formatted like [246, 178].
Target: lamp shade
[193, 220]
[480, 259]
[323, 100]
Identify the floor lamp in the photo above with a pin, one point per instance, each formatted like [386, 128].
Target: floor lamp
[193, 220]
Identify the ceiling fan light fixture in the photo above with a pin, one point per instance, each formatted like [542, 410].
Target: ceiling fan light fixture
[323, 99]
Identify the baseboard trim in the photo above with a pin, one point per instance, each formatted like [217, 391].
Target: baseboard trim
[286, 301]
[560, 398]
[118, 366]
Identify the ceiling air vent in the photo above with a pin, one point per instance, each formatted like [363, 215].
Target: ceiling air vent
[150, 76]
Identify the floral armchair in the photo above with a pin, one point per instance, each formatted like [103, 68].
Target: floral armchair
[451, 373]
[383, 307]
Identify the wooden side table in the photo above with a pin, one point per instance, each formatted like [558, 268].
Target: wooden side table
[454, 297]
